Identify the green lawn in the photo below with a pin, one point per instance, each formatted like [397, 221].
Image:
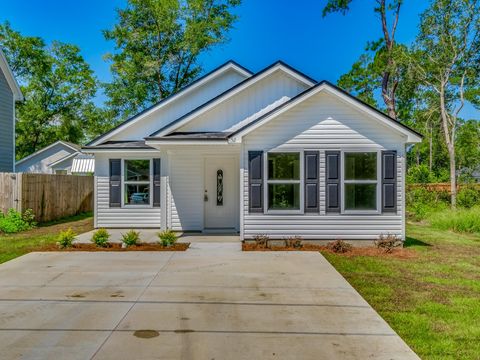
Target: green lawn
[14, 245]
[432, 300]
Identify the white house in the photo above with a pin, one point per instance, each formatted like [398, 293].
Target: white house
[60, 157]
[273, 153]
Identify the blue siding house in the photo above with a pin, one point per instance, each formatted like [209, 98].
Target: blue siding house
[9, 94]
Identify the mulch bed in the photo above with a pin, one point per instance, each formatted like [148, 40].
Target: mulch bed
[400, 253]
[117, 247]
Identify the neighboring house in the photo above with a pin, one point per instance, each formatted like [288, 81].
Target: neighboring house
[9, 94]
[273, 153]
[61, 158]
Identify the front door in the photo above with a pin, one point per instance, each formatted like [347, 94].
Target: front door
[221, 193]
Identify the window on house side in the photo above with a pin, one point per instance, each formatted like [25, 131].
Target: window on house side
[136, 182]
[360, 181]
[283, 181]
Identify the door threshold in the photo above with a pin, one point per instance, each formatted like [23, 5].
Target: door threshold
[223, 231]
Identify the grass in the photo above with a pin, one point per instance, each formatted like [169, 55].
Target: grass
[431, 300]
[14, 245]
[460, 220]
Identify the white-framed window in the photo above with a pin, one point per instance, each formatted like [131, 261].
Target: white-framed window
[284, 182]
[360, 181]
[137, 182]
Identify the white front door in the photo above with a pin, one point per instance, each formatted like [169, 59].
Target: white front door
[221, 192]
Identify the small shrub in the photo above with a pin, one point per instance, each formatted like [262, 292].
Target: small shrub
[388, 242]
[29, 217]
[14, 221]
[100, 237]
[339, 246]
[468, 197]
[293, 242]
[131, 238]
[65, 238]
[261, 240]
[461, 220]
[167, 238]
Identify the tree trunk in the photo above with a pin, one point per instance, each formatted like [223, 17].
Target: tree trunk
[450, 141]
[453, 176]
[430, 150]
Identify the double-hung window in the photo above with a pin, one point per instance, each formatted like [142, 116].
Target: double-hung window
[360, 181]
[136, 182]
[283, 181]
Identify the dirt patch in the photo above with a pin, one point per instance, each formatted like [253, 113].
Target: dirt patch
[117, 247]
[399, 253]
[146, 334]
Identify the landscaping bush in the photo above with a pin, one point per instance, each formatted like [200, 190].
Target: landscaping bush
[339, 246]
[14, 221]
[468, 197]
[131, 238]
[65, 238]
[167, 237]
[460, 220]
[388, 242]
[293, 242]
[100, 237]
[261, 240]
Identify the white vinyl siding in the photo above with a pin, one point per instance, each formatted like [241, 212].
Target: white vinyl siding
[172, 111]
[186, 191]
[246, 103]
[186, 187]
[324, 123]
[121, 217]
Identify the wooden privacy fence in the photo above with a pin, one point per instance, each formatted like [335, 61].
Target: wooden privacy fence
[50, 197]
[441, 186]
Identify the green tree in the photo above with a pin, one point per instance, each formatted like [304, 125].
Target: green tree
[58, 86]
[157, 44]
[382, 69]
[468, 148]
[446, 62]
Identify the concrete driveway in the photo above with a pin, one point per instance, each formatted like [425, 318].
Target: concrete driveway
[210, 302]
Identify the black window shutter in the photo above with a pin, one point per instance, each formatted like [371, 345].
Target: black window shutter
[115, 182]
[389, 181]
[332, 190]
[156, 182]
[255, 181]
[311, 181]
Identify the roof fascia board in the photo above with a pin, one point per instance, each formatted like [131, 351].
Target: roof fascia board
[325, 86]
[279, 66]
[230, 65]
[92, 150]
[45, 149]
[187, 142]
[12, 82]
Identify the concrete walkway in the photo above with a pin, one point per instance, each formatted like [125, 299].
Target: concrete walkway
[210, 302]
[151, 236]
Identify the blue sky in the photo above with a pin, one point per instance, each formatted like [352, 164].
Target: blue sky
[267, 30]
